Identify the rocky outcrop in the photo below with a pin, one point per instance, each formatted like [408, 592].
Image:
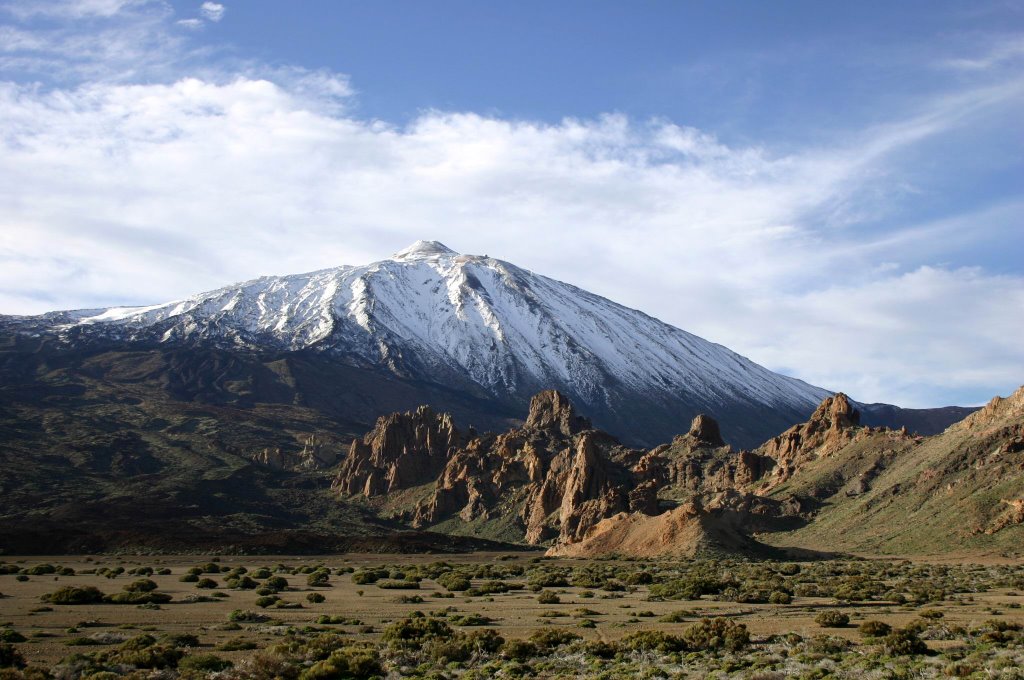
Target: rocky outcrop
[555, 475]
[554, 478]
[402, 450]
[551, 411]
[705, 525]
[556, 481]
[700, 462]
[832, 425]
[704, 429]
[1012, 515]
[477, 476]
[995, 411]
[560, 478]
[315, 454]
[590, 491]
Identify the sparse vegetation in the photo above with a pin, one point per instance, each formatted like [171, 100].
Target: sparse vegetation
[496, 629]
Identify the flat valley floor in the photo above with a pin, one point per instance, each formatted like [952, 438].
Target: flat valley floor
[963, 613]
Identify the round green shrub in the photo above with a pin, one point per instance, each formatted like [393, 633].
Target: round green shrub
[904, 642]
[204, 663]
[10, 635]
[390, 584]
[550, 638]
[319, 579]
[144, 585]
[548, 597]
[874, 629]
[276, 583]
[74, 595]
[519, 650]
[717, 633]
[454, 582]
[358, 664]
[832, 619]
[653, 641]
[10, 657]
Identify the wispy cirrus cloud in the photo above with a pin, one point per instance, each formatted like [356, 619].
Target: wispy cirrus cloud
[70, 9]
[1005, 50]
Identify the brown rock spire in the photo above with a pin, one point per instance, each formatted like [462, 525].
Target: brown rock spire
[551, 410]
[704, 429]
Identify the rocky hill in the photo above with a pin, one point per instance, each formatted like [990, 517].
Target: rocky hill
[828, 484]
[890, 492]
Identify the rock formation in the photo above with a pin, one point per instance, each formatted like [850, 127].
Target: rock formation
[402, 450]
[704, 429]
[315, 454]
[556, 481]
[551, 411]
[832, 425]
[700, 462]
[554, 477]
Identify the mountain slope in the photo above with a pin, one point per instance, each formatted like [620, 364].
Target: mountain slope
[882, 491]
[483, 326]
[834, 485]
[103, 452]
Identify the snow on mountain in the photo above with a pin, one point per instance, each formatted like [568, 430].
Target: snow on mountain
[429, 312]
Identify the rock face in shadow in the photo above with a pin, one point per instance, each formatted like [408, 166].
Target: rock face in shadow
[704, 429]
[552, 478]
[701, 462]
[550, 411]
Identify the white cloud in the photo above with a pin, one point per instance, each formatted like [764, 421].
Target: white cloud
[897, 337]
[195, 184]
[119, 193]
[213, 11]
[190, 23]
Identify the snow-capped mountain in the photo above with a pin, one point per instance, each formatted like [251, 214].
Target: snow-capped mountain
[430, 314]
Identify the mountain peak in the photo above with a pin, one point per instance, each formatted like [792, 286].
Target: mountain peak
[423, 249]
[484, 331]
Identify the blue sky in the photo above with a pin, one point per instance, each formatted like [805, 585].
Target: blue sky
[832, 189]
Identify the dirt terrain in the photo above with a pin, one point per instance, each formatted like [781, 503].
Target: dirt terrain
[55, 631]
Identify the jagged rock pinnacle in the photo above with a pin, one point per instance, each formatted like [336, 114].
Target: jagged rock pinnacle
[551, 410]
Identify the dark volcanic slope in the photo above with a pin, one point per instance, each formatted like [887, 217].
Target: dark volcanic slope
[186, 449]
